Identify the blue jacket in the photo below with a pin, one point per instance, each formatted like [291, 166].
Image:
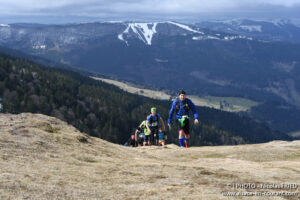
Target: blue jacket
[182, 110]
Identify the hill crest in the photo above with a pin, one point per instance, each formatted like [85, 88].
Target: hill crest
[44, 158]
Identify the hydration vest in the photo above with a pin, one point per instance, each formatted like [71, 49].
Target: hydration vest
[186, 105]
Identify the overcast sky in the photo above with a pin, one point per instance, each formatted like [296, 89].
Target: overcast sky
[61, 11]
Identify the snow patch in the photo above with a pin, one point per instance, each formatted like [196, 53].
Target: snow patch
[114, 22]
[237, 37]
[251, 28]
[160, 60]
[280, 22]
[21, 32]
[144, 31]
[4, 25]
[186, 27]
[39, 47]
[209, 37]
[276, 22]
[120, 36]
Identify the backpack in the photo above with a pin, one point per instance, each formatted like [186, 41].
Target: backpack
[186, 105]
[151, 119]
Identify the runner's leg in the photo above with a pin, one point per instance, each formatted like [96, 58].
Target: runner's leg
[186, 133]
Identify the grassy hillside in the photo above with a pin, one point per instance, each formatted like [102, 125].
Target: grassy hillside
[44, 158]
[106, 111]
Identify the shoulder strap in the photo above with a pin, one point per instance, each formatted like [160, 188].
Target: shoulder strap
[151, 118]
[177, 106]
[187, 104]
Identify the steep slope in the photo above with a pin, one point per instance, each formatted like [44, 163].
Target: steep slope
[44, 158]
[107, 112]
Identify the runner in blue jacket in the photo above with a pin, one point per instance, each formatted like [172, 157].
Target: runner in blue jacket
[181, 106]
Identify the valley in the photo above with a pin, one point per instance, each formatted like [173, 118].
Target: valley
[252, 68]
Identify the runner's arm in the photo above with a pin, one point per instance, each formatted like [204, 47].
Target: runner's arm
[171, 112]
[136, 134]
[163, 124]
[147, 124]
[193, 107]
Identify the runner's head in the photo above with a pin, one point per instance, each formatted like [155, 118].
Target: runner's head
[182, 95]
[153, 111]
[132, 137]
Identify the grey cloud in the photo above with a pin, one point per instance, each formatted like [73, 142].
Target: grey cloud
[152, 9]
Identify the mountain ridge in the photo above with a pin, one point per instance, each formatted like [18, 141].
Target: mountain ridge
[284, 30]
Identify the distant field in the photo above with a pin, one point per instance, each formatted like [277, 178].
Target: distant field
[155, 94]
[230, 104]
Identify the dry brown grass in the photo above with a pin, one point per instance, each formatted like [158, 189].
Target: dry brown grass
[44, 158]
